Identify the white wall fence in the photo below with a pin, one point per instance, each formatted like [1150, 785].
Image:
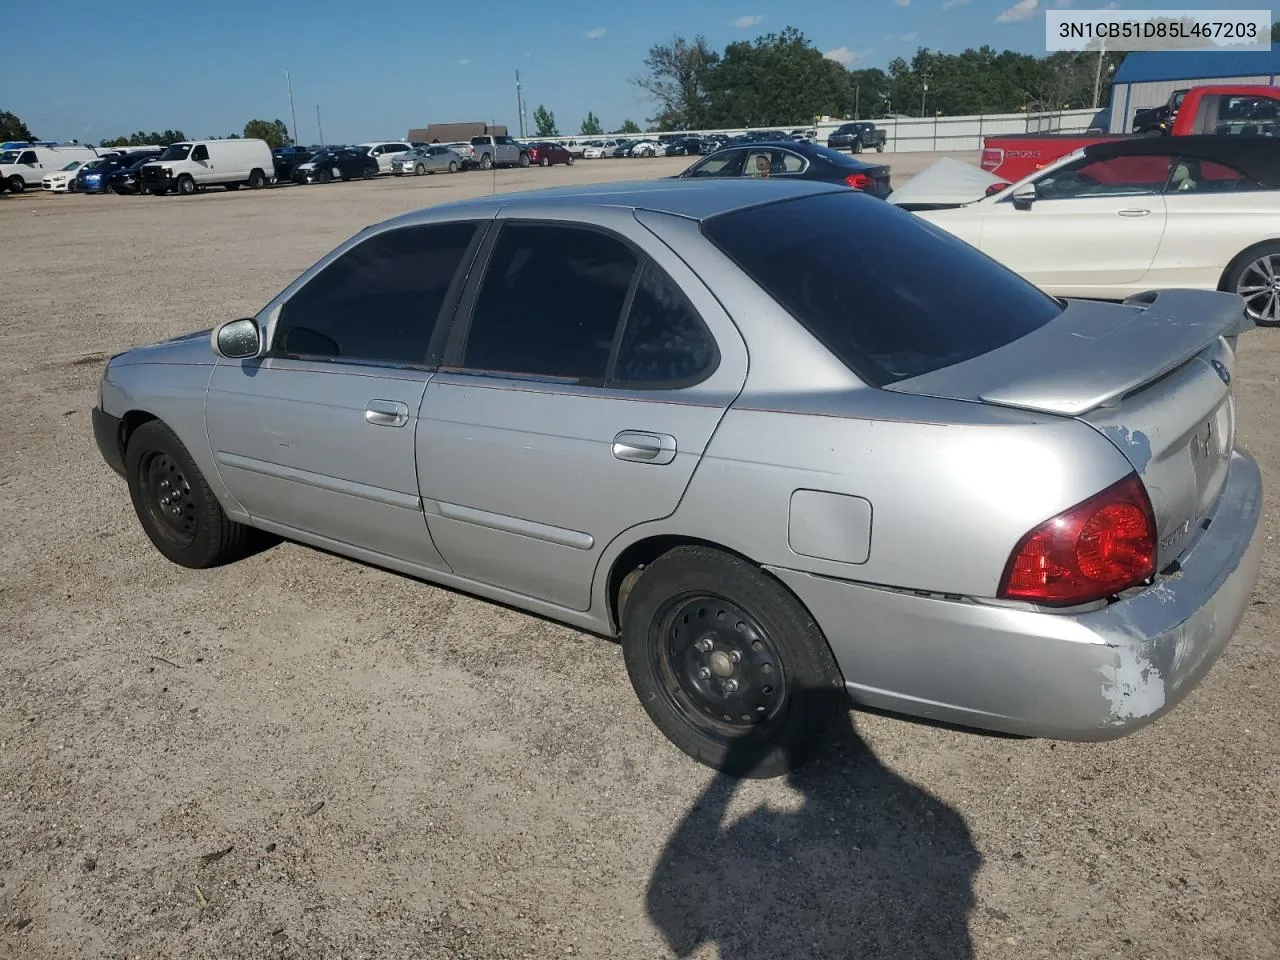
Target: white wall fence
[957, 134]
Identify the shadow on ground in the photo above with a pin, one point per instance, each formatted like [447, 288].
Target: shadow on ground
[870, 866]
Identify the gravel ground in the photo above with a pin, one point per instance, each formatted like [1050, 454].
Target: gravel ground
[299, 756]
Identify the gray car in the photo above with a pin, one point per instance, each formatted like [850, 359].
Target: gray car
[757, 448]
[426, 159]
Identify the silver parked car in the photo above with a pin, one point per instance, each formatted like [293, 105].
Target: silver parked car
[758, 449]
[432, 158]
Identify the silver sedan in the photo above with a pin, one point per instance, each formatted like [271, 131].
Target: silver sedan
[756, 448]
[430, 159]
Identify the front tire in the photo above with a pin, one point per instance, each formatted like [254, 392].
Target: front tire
[17, 184]
[186, 186]
[728, 664]
[175, 504]
[879, 148]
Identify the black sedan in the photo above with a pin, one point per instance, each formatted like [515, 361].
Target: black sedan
[336, 164]
[792, 160]
[128, 179]
[286, 158]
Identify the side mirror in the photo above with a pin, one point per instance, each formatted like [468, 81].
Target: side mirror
[1024, 198]
[997, 188]
[237, 339]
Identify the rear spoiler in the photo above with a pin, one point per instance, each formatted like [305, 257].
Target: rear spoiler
[1093, 354]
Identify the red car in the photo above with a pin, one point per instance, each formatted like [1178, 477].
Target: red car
[546, 154]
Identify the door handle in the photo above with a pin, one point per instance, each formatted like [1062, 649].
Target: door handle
[386, 413]
[642, 447]
[1132, 212]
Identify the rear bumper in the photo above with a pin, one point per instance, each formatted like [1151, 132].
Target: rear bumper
[106, 433]
[1090, 676]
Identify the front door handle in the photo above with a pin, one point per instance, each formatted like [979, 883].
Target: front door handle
[642, 447]
[386, 413]
[1132, 212]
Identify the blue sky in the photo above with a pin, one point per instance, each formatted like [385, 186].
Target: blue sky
[377, 69]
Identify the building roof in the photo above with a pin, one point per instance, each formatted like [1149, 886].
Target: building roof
[454, 132]
[1144, 66]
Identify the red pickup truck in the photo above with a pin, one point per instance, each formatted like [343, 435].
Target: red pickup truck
[1238, 109]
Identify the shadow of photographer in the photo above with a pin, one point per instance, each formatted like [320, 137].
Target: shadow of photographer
[868, 866]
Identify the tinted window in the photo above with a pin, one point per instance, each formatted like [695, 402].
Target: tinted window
[664, 341]
[1124, 176]
[28, 157]
[727, 164]
[550, 302]
[859, 291]
[378, 301]
[200, 153]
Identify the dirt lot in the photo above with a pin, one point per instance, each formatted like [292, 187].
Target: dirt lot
[298, 756]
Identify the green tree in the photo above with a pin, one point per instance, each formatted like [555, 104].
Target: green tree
[776, 80]
[142, 138]
[12, 127]
[545, 121]
[591, 126]
[628, 126]
[675, 76]
[1275, 32]
[273, 131]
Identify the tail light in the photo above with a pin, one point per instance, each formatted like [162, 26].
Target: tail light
[1086, 553]
[859, 181]
[992, 157]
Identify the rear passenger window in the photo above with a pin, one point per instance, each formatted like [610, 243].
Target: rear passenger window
[550, 303]
[664, 342]
[1193, 175]
[378, 301]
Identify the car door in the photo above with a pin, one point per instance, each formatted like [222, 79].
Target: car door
[316, 439]
[1213, 213]
[584, 378]
[201, 165]
[1093, 228]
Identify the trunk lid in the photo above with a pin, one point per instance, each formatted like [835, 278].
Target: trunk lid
[1153, 375]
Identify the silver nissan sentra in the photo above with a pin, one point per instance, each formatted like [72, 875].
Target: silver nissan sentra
[785, 440]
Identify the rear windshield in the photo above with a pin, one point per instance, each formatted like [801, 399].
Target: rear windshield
[889, 294]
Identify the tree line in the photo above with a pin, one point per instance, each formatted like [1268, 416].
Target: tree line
[544, 122]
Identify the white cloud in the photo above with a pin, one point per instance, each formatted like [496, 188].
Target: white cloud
[742, 23]
[908, 37]
[464, 62]
[952, 4]
[902, 3]
[1021, 10]
[1063, 4]
[841, 55]
[595, 34]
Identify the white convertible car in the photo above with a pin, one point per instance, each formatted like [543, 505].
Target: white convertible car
[1125, 216]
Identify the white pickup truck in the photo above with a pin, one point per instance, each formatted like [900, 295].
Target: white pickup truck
[500, 152]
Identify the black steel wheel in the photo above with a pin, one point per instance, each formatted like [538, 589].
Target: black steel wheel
[176, 506]
[728, 664]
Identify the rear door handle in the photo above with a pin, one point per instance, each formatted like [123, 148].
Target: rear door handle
[642, 447]
[386, 413]
[1132, 212]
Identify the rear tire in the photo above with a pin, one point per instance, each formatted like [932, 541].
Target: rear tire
[175, 504]
[569, 162]
[453, 166]
[1255, 275]
[186, 186]
[524, 159]
[728, 664]
[257, 180]
[879, 148]
[486, 162]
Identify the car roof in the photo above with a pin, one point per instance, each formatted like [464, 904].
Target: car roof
[1258, 158]
[692, 199]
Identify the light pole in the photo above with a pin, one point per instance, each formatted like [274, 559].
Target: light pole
[289, 84]
[519, 106]
[319, 126]
[1097, 76]
[923, 93]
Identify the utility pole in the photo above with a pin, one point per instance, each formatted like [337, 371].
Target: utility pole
[519, 105]
[1097, 76]
[923, 93]
[319, 125]
[857, 93]
[289, 83]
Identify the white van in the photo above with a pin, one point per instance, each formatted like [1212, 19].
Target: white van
[384, 151]
[195, 164]
[28, 166]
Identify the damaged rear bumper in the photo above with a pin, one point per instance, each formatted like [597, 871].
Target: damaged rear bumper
[1088, 676]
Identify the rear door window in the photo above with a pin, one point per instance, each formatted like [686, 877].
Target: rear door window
[1122, 176]
[1192, 175]
[859, 292]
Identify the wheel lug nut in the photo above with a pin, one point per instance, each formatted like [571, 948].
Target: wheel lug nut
[704, 673]
[735, 656]
[705, 644]
[731, 686]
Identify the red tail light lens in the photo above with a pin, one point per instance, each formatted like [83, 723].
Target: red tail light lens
[992, 157]
[859, 181]
[1093, 550]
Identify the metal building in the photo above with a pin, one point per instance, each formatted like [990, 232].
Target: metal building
[1146, 78]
